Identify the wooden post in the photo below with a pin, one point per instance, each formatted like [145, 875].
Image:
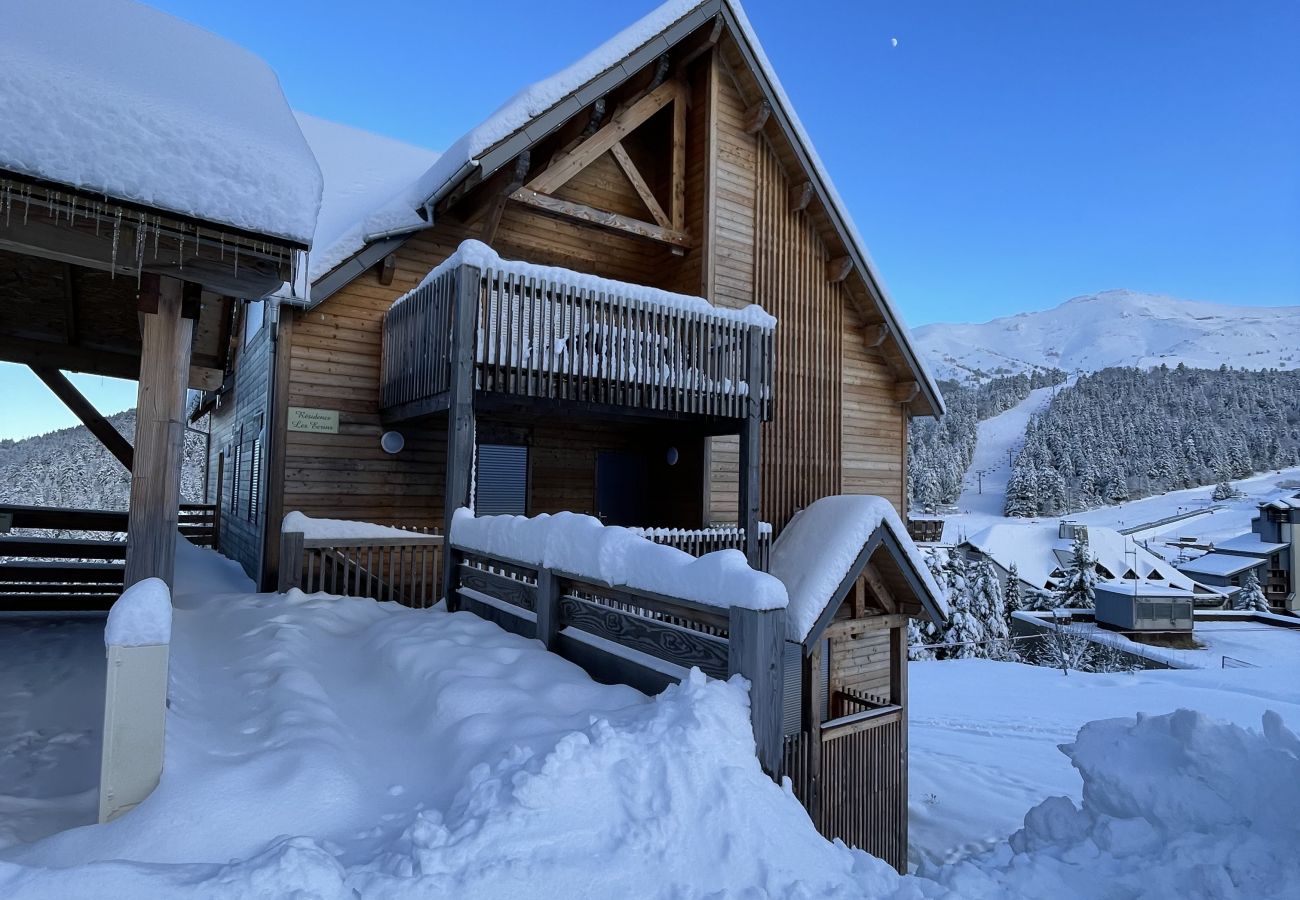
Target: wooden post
[290, 573]
[751, 447]
[547, 607]
[756, 639]
[898, 697]
[810, 718]
[460, 414]
[159, 430]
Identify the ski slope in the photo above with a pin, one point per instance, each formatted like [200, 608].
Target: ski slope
[983, 497]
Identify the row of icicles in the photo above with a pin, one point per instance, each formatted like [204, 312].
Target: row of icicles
[60, 206]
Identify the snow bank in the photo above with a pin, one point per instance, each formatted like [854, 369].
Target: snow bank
[583, 546]
[476, 253]
[818, 548]
[116, 98]
[141, 616]
[343, 529]
[1175, 805]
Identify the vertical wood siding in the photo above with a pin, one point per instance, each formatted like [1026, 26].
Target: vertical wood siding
[873, 427]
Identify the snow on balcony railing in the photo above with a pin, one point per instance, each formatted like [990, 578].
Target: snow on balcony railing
[541, 331]
[700, 541]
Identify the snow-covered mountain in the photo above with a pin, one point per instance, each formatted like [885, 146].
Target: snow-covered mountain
[1116, 328]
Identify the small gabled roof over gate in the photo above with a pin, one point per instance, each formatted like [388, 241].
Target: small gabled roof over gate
[838, 540]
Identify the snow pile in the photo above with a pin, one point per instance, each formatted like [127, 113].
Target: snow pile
[478, 254]
[581, 545]
[363, 173]
[141, 616]
[1173, 806]
[323, 748]
[116, 98]
[818, 548]
[342, 529]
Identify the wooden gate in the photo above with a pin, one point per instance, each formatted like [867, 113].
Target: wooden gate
[853, 781]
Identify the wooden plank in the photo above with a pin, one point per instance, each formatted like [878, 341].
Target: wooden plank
[61, 548]
[755, 640]
[843, 628]
[61, 572]
[289, 573]
[665, 641]
[547, 607]
[810, 722]
[460, 417]
[642, 189]
[65, 518]
[580, 212]
[159, 433]
[507, 590]
[84, 410]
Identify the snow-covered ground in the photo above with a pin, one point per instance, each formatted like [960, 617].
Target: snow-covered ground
[985, 736]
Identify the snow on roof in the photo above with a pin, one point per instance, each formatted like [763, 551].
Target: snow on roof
[1250, 543]
[1037, 551]
[1221, 564]
[113, 97]
[142, 616]
[478, 254]
[817, 549]
[1146, 590]
[581, 545]
[366, 177]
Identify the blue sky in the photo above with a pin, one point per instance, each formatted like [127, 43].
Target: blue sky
[1004, 156]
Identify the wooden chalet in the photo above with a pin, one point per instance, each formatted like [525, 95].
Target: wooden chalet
[665, 166]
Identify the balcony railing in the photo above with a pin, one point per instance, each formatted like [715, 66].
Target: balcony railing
[536, 338]
[699, 541]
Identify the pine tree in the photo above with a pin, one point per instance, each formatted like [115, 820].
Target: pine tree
[1251, 596]
[1011, 601]
[1077, 589]
[1223, 491]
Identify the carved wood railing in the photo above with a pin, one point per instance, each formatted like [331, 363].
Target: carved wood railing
[559, 342]
[404, 570]
[624, 635]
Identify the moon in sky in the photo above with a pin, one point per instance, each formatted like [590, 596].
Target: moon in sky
[893, 42]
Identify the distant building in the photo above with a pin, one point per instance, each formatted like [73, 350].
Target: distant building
[1042, 553]
[1271, 544]
[1144, 607]
[1226, 571]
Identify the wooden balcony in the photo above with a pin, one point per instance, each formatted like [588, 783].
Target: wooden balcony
[526, 339]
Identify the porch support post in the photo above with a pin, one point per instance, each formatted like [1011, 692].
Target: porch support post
[751, 448]
[165, 337]
[810, 705]
[460, 418]
[756, 640]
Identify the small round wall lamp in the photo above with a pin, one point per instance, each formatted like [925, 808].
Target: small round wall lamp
[392, 442]
[672, 456]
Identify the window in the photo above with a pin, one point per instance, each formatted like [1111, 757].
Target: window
[236, 469]
[501, 480]
[254, 315]
[255, 474]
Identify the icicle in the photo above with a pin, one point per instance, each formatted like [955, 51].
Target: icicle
[27, 203]
[117, 231]
[222, 238]
[157, 230]
[72, 212]
[7, 202]
[140, 237]
[236, 260]
[180, 248]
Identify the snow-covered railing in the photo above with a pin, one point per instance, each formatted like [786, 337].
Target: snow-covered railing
[359, 559]
[542, 332]
[137, 637]
[700, 541]
[625, 609]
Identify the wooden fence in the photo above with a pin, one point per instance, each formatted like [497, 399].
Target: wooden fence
[628, 636]
[857, 789]
[64, 569]
[558, 342]
[402, 569]
[699, 541]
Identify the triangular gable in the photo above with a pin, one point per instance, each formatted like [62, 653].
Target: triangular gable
[542, 108]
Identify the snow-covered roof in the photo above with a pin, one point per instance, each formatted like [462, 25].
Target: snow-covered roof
[1147, 590]
[817, 550]
[525, 109]
[1250, 543]
[1284, 503]
[1221, 564]
[1038, 551]
[116, 98]
[479, 254]
[366, 177]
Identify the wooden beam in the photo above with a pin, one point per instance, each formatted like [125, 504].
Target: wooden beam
[906, 391]
[159, 435]
[623, 123]
[884, 596]
[715, 33]
[844, 628]
[800, 195]
[70, 359]
[69, 303]
[810, 721]
[756, 116]
[642, 189]
[875, 335]
[460, 417]
[84, 410]
[613, 221]
[498, 206]
[387, 269]
[677, 204]
[838, 269]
